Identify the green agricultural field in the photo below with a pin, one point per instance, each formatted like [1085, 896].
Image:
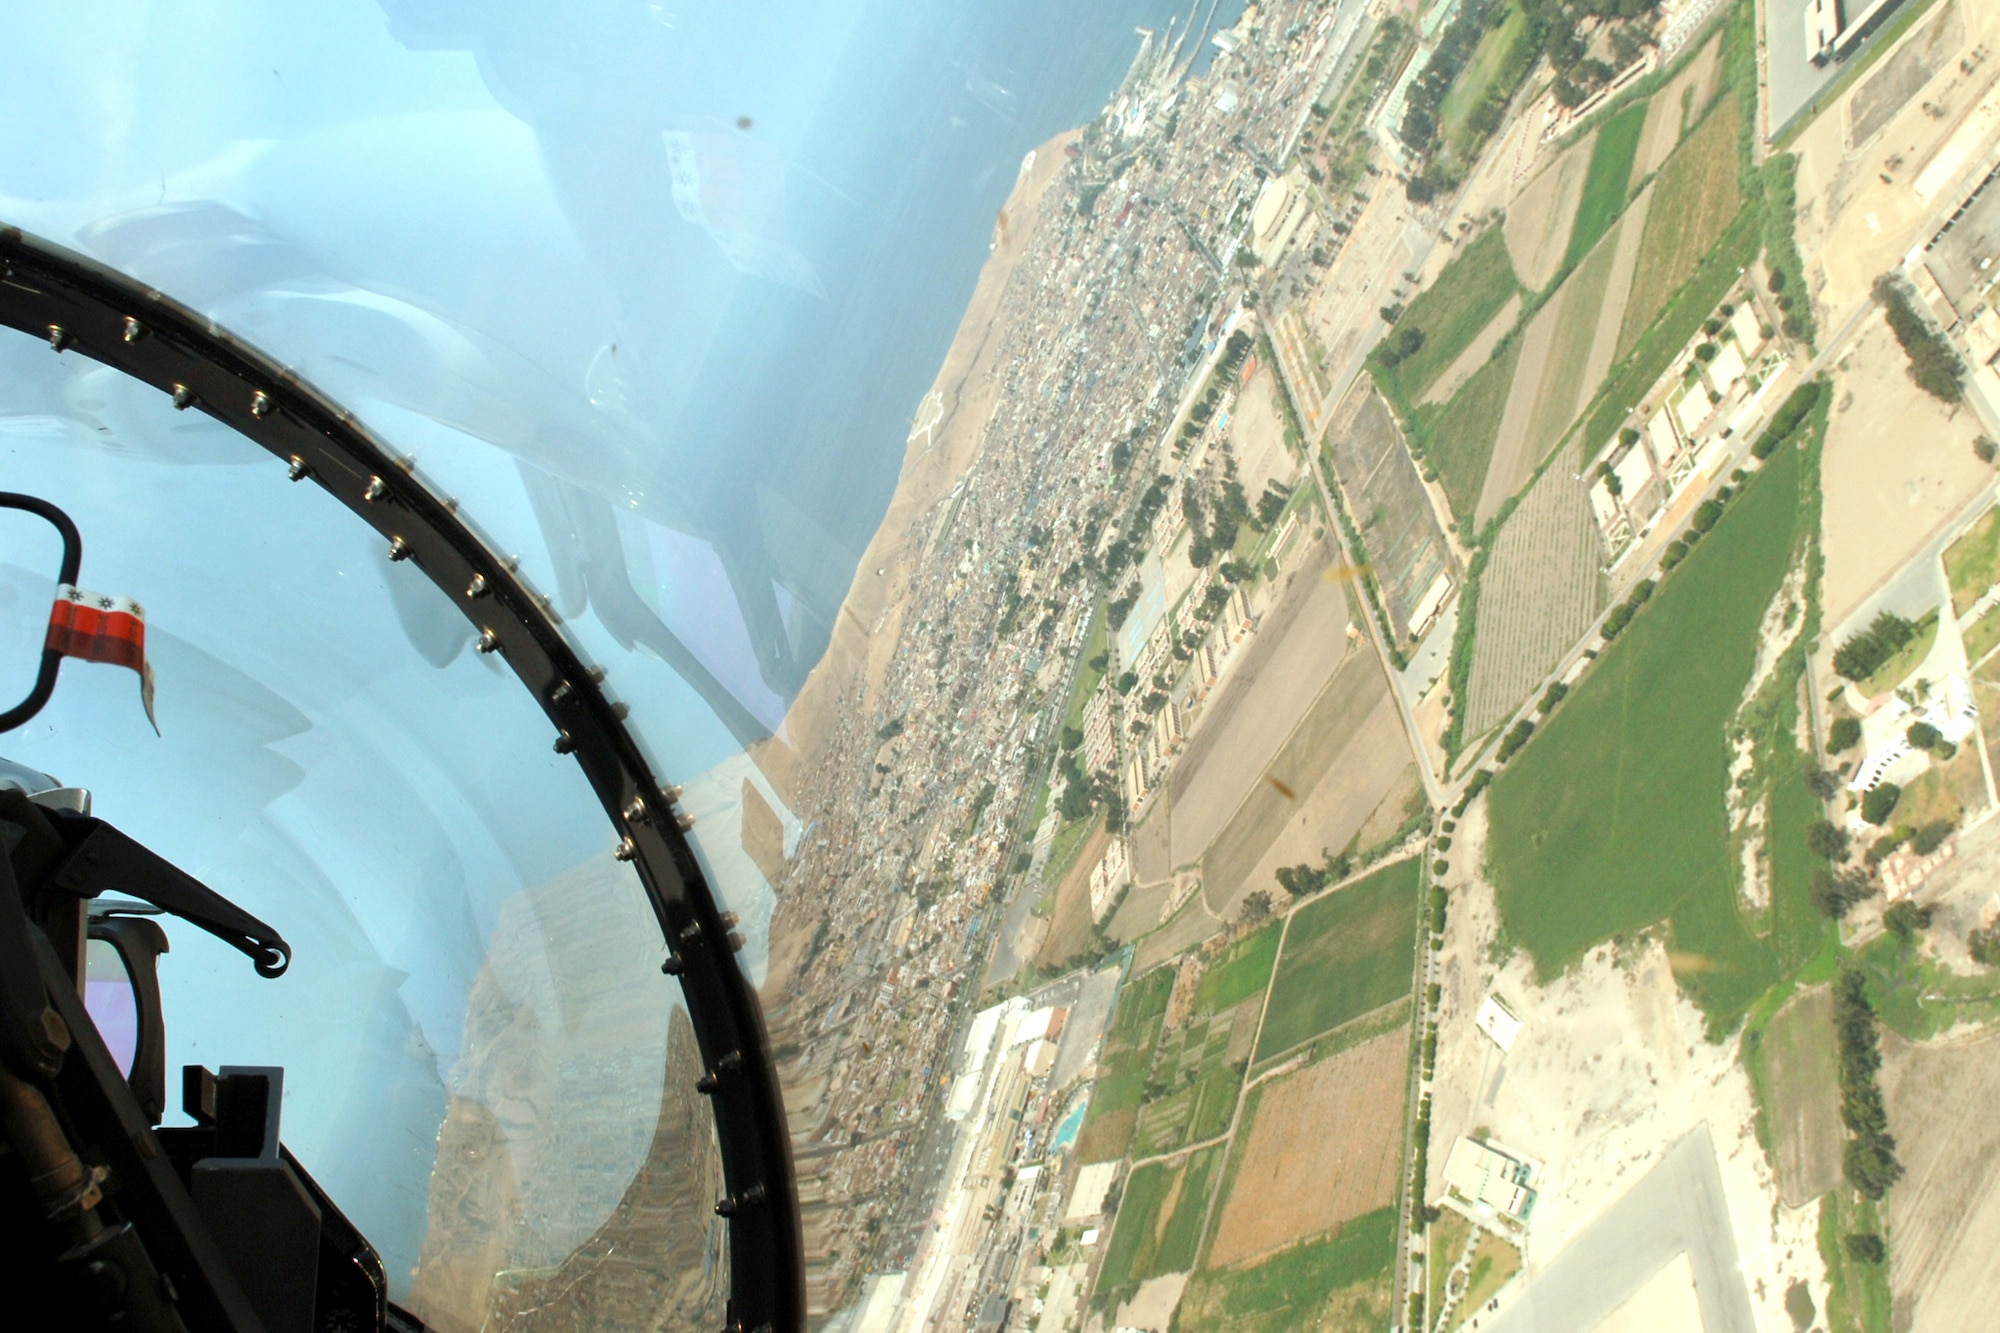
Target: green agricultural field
[1795, 1072]
[1857, 1299]
[1242, 971]
[1695, 198]
[1452, 310]
[1159, 1224]
[1462, 432]
[1190, 1091]
[1351, 952]
[1609, 184]
[1613, 817]
[1495, 58]
[1125, 1065]
[1676, 326]
[1339, 1281]
[1982, 636]
[1973, 562]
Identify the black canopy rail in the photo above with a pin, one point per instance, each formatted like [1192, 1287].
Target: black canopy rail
[72, 564]
[77, 305]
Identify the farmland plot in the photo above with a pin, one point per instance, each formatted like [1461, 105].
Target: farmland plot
[1335, 1283]
[1696, 196]
[1945, 1214]
[1465, 431]
[1804, 1101]
[1561, 389]
[1541, 591]
[1388, 503]
[1676, 107]
[1539, 218]
[1453, 309]
[1568, 350]
[1323, 1149]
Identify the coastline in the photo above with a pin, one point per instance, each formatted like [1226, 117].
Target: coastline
[868, 628]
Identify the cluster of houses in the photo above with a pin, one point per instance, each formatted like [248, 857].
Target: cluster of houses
[1716, 387]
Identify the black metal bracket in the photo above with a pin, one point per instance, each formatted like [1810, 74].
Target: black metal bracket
[72, 565]
[77, 305]
[102, 859]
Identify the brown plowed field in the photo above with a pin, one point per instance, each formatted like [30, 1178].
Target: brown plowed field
[1294, 652]
[1623, 242]
[1944, 1215]
[1695, 196]
[1513, 457]
[1675, 107]
[1541, 591]
[1563, 387]
[1317, 791]
[1324, 1148]
[1538, 220]
[1069, 928]
[1327, 818]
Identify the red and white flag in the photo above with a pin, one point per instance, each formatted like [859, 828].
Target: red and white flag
[96, 627]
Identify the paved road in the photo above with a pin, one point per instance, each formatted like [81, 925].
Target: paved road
[1678, 1206]
[1793, 79]
[1915, 589]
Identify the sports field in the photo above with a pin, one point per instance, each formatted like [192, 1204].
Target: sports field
[1159, 1224]
[1610, 179]
[1494, 57]
[1338, 1282]
[1452, 310]
[1350, 952]
[1613, 817]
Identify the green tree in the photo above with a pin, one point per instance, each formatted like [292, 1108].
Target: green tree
[1824, 838]
[1865, 653]
[1931, 836]
[1904, 919]
[1834, 894]
[1844, 734]
[1880, 802]
[1865, 1247]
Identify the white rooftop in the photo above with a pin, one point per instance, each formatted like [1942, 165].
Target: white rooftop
[1497, 1022]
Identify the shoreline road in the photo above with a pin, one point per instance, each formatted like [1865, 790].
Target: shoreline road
[1677, 1207]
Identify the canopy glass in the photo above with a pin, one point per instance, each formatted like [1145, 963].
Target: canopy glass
[655, 292]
